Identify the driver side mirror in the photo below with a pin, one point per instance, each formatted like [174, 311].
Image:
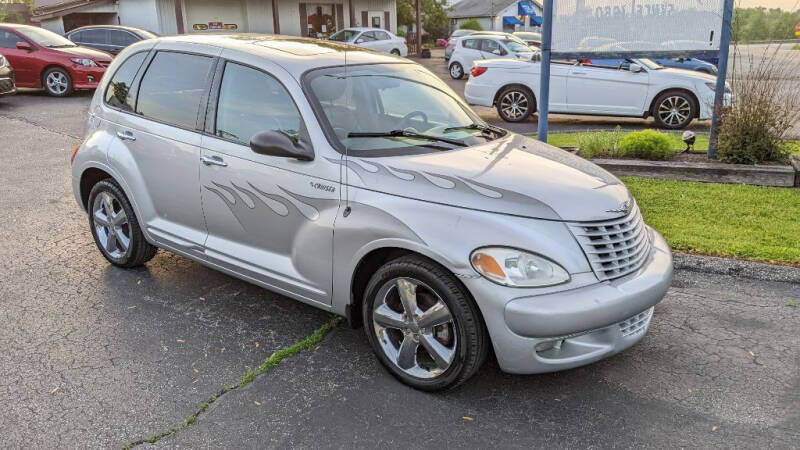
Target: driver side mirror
[635, 68]
[22, 45]
[280, 144]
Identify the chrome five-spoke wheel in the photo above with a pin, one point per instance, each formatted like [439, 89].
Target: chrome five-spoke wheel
[57, 82]
[414, 328]
[111, 225]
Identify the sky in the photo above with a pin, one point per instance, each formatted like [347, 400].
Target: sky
[786, 5]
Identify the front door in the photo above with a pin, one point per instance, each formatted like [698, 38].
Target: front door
[595, 89]
[23, 62]
[269, 218]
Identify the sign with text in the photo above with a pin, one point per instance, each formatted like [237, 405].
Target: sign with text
[636, 27]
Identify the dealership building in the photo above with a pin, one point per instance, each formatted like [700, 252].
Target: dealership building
[291, 17]
[497, 15]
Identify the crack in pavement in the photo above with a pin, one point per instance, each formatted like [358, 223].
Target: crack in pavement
[38, 125]
[313, 339]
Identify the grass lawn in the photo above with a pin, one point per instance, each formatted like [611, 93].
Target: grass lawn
[747, 222]
[571, 140]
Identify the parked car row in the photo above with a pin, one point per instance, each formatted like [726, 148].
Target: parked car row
[373, 39]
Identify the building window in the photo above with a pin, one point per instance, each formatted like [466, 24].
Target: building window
[320, 20]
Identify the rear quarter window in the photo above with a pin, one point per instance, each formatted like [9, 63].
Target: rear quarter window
[118, 93]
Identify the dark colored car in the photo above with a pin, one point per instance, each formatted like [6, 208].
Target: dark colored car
[688, 64]
[108, 38]
[43, 59]
[7, 84]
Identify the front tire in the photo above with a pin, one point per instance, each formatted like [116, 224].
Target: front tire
[674, 110]
[442, 342]
[57, 82]
[515, 104]
[115, 228]
[456, 71]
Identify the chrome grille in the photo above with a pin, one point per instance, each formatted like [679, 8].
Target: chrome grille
[636, 323]
[615, 247]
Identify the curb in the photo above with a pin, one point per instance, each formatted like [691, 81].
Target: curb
[736, 267]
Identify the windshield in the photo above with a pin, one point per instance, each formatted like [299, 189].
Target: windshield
[46, 38]
[390, 98]
[344, 36]
[650, 64]
[516, 47]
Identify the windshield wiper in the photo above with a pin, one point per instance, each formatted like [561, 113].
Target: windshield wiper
[408, 134]
[475, 126]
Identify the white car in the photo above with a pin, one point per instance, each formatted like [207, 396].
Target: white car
[373, 39]
[674, 97]
[469, 49]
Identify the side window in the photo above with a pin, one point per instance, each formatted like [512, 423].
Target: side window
[369, 36]
[76, 36]
[472, 44]
[172, 88]
[9, 39]
[490, 46]
[251, 101]
[122, 38]
[382, 35]
[95, 36]
[118, 90]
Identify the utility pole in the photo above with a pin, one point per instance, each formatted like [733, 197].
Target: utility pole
[419, 28]
[544, 76]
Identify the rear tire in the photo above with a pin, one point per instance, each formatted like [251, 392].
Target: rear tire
[456, 71]
[395, 52]
[443, 343]
[515, 104]
[674, 110]
[57, 82]
[115, 228]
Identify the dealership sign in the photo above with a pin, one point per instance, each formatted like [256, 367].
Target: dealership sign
[214, 26]
[636, 27]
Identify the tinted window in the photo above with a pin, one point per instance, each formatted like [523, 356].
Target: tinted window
[251, 101]
[9, 39]
[95, 37]
[76, 36]
[122, 38]
[490, 46]
[118, 92]
[172, 88]
[472, 44]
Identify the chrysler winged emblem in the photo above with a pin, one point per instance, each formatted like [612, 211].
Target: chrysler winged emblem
[624, 208]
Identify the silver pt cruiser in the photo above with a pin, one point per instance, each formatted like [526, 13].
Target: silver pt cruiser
[361, 184]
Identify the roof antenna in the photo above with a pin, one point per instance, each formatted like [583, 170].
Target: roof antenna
[345, 167]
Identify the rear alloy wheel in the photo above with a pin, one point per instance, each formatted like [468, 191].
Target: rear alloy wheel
[422, 325]
[674, 110]
[515, 104]
[456, 71]
[57, 82]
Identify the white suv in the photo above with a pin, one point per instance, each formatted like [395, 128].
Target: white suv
[470, 49]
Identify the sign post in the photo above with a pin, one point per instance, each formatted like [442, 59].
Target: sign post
[543, 105]
[722, 72]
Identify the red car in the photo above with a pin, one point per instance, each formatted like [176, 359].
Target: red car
[43, 59]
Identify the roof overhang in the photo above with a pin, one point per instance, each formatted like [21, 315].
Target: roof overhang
[67, 7]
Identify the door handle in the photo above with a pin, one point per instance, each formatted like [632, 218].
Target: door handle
[126, 135]
[213, 161]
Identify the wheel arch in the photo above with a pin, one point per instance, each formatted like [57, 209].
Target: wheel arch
[691, 94]
[89, 178]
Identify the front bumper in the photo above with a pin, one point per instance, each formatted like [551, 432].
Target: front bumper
[707, 103]
[7, 86]
[562, 330]
[86, 77]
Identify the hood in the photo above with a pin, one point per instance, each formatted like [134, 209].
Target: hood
[512, 175]
[83, 52]
[690, 74]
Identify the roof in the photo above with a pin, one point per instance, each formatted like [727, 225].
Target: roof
[48, 9]
[116, 27]
[481, 8]
[291, 52]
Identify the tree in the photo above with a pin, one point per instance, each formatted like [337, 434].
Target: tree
[435, 22]
[471, 24]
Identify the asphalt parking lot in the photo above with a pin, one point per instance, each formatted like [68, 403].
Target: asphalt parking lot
[96, 357]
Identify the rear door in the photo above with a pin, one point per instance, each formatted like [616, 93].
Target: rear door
[368, 40]
[96, 38]
[156, 143]
[119, 39]
[492, 49]
[599, 89]
[269, 218]
[469, 52]
[385, 43]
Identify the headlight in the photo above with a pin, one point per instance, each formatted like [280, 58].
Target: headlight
[713, 87]
[86, 62]
[516, 268]
[3, 62]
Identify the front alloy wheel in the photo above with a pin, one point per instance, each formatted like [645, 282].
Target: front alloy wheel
[423, 325]
[674, 110]
[456, 71]
[57, 82]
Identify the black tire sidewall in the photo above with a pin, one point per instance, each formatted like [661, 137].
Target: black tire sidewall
[395, 52]
[527, 94]
[135, 234]
[661, 99]
[69, 80]
[407, 267]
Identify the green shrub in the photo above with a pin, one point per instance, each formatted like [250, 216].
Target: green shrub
[748, 142]
[646, 144]
[471, 24]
